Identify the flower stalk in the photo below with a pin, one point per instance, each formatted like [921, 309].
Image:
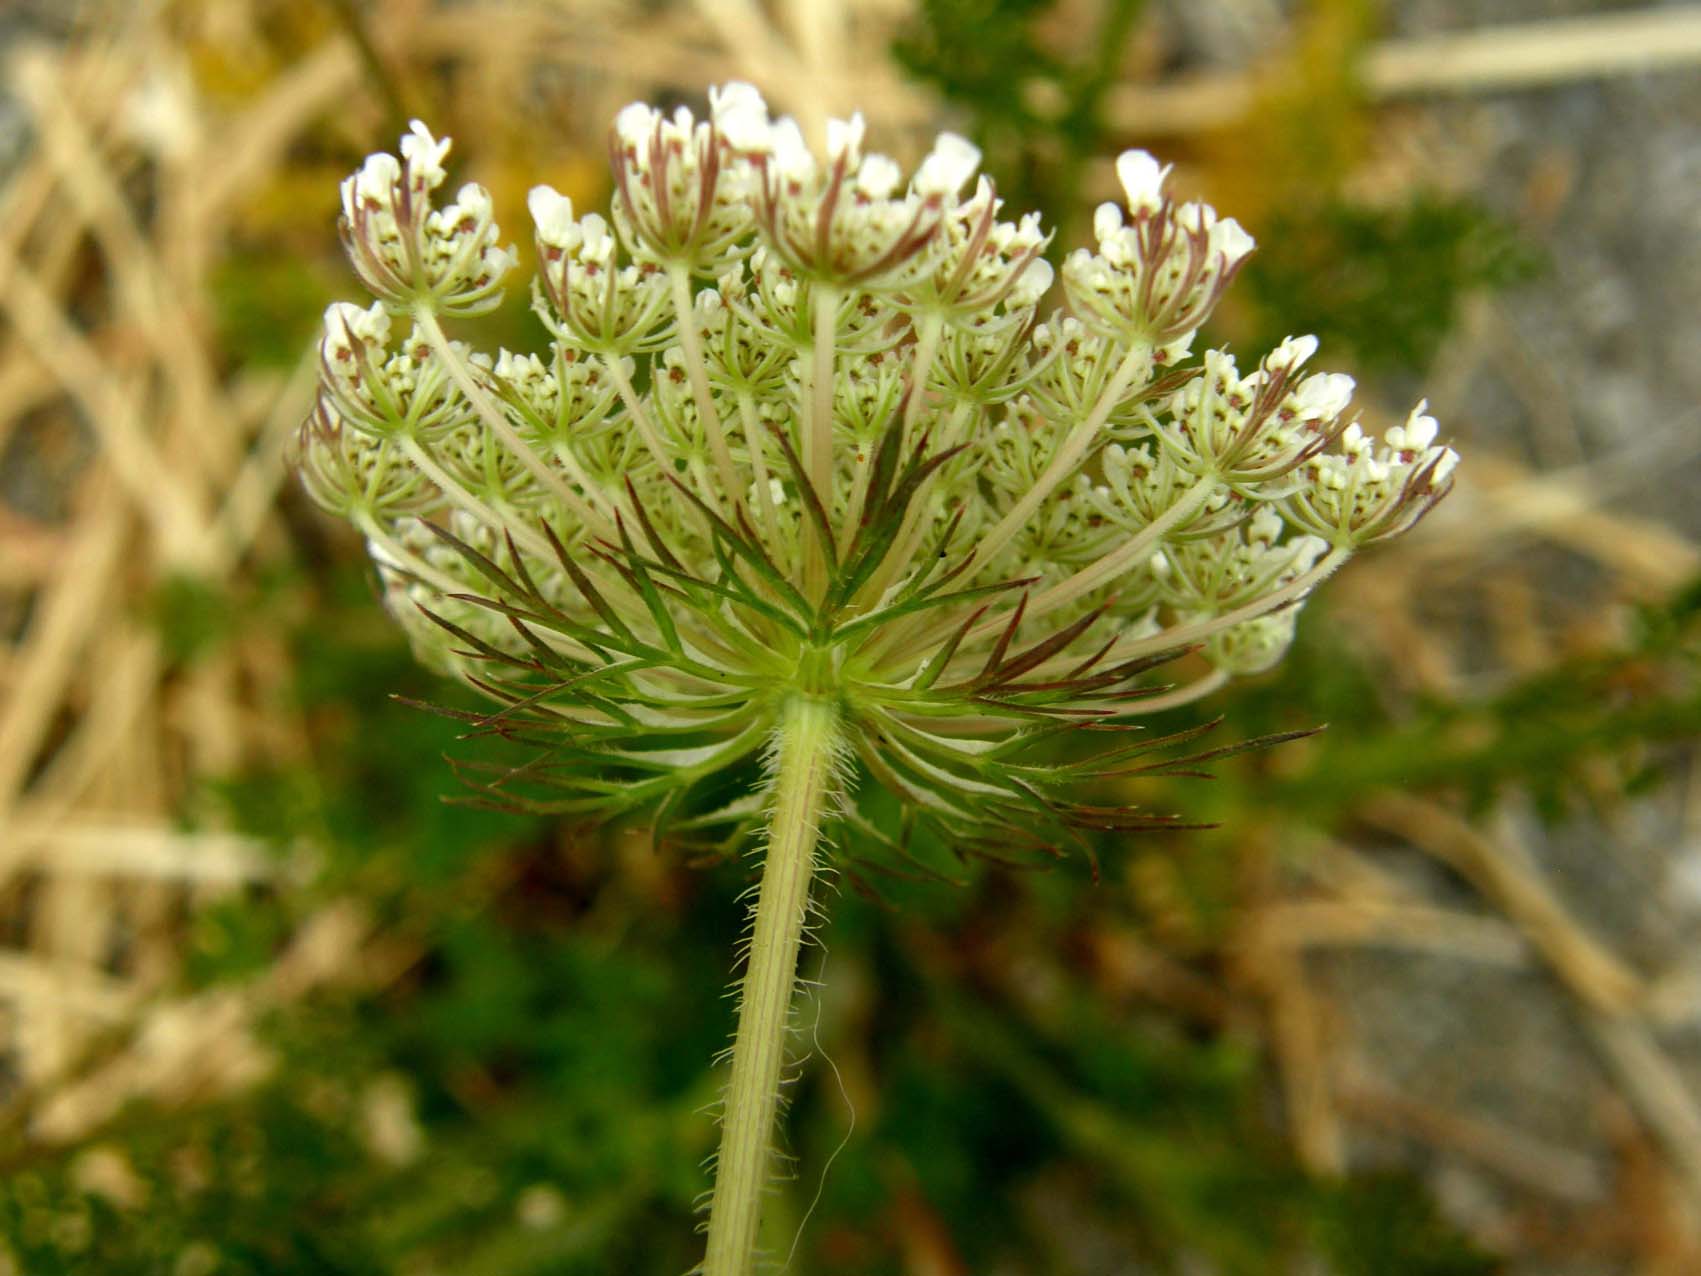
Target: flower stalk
[806, 786]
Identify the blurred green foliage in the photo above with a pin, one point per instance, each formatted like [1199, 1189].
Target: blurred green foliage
[553, 1024]
[1384, 284]
[268, 305]
[551, 1028]
[1036, 112]
[1379, 284]
[561, 990]
[1539, 732]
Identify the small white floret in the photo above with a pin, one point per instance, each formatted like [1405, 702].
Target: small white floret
[791, 155]
[497, 261]
[1421, 428]
[878, 177]
[1230, 239]
[598, 243]
[376, 181]
[424, 155]
[347, 325]
[472, 200]
[1324, 396]
[1142, 179]
[844, 138]
[1107, 221]
[1292, 353]
[740, 116]
[553, 213]
[952, 162]
[1033, 283]
[636, 123]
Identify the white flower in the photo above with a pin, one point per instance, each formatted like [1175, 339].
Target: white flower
[1292, 353]
[844, 140]
[680, 201]
[1142, 179]
[1370, 493]
[410, 254]
[1322, 396]
[424, 155]
[826, 224]
[1107, 221]
[1090, 455]
[1230, 241]
[374, 186]
[952, 162]
[596, 243]
[347, 327]
[1033, 283]
[789, 154]
[1157, 278]
[740, 116]
[553, 213]
[981, 262]
[1445, 464]
[1417, 433]
[636, 123]
[878, 177]
[593, 301]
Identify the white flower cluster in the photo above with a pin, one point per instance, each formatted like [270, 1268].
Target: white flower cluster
[813, 383]
[1158, 274]
[405, 249]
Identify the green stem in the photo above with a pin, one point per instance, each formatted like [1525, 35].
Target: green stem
[805, 784]
[692, 345]
[1076, 444]
[493, 417]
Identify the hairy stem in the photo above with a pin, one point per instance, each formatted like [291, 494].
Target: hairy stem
[804, 785]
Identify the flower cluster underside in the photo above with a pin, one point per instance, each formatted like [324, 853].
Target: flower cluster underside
[798, 431]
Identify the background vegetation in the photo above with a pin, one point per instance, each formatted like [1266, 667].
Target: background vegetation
[1417, 1003]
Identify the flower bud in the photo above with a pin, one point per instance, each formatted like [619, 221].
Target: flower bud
[1158, 275]
[356, 476]
[839, 224]
[678, 201]
[1368, 493]
[409, 254]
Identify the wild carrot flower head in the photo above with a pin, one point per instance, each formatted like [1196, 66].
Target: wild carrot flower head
[798, 429]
